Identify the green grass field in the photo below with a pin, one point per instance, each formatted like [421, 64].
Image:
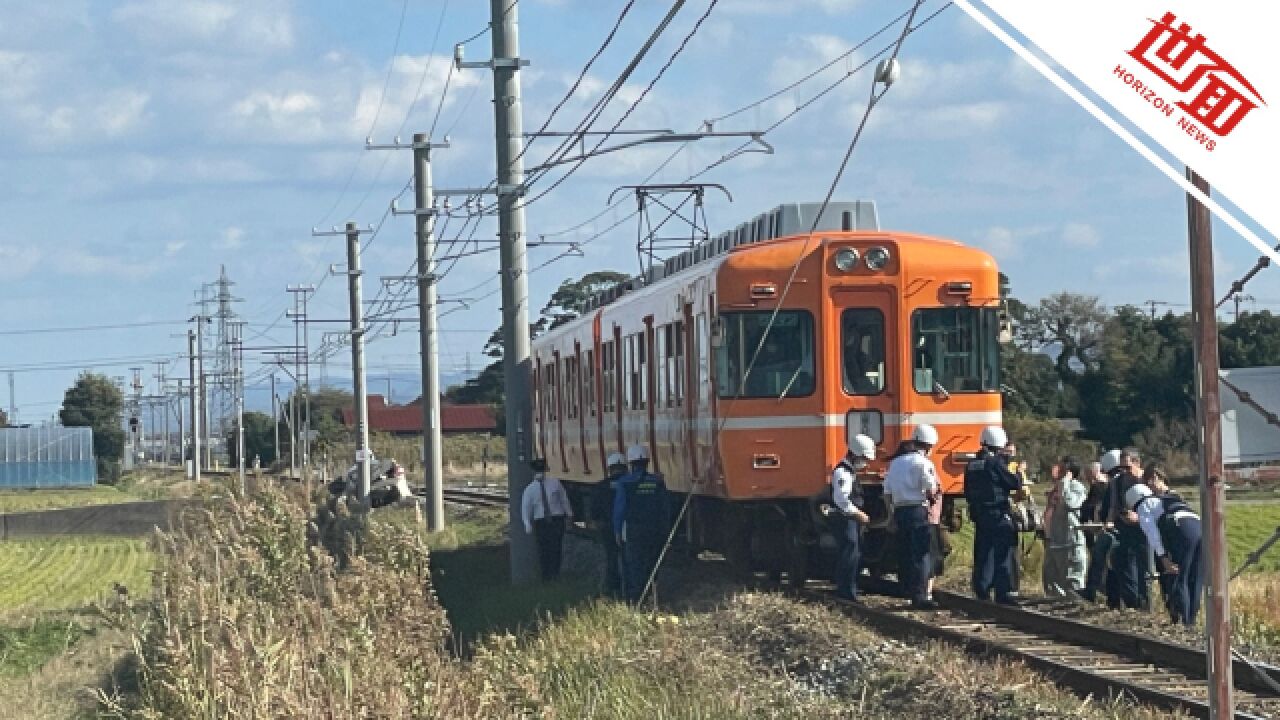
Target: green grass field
[70, 572]
[55, 499]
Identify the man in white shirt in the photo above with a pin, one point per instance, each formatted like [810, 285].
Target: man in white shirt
[849, 517]
[911, 482]
[546, 511]
[1173, 531]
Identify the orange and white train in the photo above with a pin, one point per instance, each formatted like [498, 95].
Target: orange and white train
[868, 331]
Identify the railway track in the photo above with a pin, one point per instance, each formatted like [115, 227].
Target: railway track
[472, 498]
[1090, 659]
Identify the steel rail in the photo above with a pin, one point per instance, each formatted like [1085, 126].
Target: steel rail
[1092, 660]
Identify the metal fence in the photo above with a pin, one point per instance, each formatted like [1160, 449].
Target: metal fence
[47, 456]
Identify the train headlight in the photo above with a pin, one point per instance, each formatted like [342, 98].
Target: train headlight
[877, 258]
[846, 259]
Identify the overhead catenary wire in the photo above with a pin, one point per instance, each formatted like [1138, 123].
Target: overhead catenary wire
[91, 328]
[1238, 285]
[377, 113]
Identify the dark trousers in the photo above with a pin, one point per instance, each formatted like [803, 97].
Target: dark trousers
[612, 561]
[1183, 591]
[849, 562]
[1095, 577]
[639, 558]
[1127, 580]
[549, 533]
[913, 550]
[994, 543]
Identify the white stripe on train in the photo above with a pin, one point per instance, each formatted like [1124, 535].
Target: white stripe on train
[793, 422]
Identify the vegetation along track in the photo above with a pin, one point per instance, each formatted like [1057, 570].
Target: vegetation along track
[1087, 658]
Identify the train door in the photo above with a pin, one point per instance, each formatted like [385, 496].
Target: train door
[868, 382]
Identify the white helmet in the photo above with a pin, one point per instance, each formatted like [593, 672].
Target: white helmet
[616, 458]
[637, 453]
[1136, 494]
[1110, 460]
[863, 447]
[993, 436]
[925, 434]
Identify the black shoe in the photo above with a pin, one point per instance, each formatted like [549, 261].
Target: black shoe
[924, 605]
[1009, 600]
[1089, 594]
[982, 597]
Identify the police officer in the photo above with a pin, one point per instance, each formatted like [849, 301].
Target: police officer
[849, 516]
[639, 522]
[602, 500]
[911, 482]
[987, 485]
[1174, 534]
[1127, 583]
[1097, 577]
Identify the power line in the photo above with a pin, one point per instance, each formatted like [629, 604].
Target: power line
[386, 85]
[90, 328]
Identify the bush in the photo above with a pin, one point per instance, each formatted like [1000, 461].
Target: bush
[251, 619]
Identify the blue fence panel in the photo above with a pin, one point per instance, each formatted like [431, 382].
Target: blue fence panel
[47, 456]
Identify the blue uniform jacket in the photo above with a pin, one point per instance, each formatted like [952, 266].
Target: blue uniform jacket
[987, 484]
[626, 487]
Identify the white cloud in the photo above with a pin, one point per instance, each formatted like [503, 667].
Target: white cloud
[174, 247]
[16, 261]
[1080, 235]
[253, 27]
[232, 238]
[83, 263]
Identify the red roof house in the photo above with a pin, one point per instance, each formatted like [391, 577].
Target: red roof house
[407, 419]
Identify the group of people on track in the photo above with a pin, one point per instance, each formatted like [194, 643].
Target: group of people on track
[1107, 529]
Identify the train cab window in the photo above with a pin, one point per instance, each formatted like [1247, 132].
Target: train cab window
[862, 351]
[784, 365]
[955, 350]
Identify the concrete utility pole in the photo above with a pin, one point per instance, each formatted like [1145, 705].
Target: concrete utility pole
[1204, 338]
[357, 360]
[425, 220]
[363, 455]
[432, 452]
[236, 347]
[193, 349]
[509, 131]
[275, 420]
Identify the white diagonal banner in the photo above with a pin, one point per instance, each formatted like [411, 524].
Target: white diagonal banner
[1200, 79]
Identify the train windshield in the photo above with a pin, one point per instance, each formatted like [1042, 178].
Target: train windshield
[956, 350]
[784, 366]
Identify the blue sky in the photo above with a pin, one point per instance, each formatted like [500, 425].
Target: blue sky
[144, 143]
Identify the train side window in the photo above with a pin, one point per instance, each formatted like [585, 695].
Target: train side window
[700, 340]
[660, 366]
[862, 351]
[607, 356]
[571, 388]
[642, 376]
[678, 354]
[629, 372]
[589, 384]
[551, 391]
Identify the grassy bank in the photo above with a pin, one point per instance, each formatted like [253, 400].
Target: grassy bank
[70, 572]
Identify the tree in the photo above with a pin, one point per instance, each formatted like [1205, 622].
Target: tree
[1069, 323]
[570, 299]
[95, 402]
[259, 439]
[327, 405]
[1251, 341]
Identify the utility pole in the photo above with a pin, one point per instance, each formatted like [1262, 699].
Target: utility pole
[424, 213]
[275, 420]
[1204, 337]
[193, 349]
[13, 404]
[363, 455]
[1237, 297]
[509, 132]
[235, 343]
[302, 365]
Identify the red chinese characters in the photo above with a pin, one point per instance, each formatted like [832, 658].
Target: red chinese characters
[1214, 92]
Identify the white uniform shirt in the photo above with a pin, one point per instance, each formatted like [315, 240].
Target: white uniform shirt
[842, 481]
[531, 505]
[911, 478]
[1150, 510]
